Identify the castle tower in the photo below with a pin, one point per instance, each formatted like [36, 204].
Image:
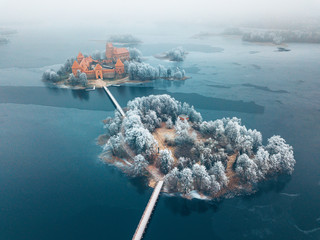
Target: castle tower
[75, 67]
[119, 67]
[109, 51]
[98, 71]
[80, 57]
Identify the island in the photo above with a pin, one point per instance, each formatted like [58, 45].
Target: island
[163, 139]
[112, 67]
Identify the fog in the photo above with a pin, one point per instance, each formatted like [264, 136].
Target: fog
[149, 15]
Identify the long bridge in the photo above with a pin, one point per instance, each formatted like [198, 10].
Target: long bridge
[155, 194]
[114, 101]
[147, 212]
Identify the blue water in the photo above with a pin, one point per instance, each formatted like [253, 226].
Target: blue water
[54, 186]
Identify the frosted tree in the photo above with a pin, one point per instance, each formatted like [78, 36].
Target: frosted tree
[115, 142]
[281, 155]
[135, 54]
[256, 138]
[218, 171]
[178, 75]
[83, 79]
[66, 67]
[51, 76]
[176, 54]
[169, 123]
[162, 71]
[214, 185]
[73, 79]
[171, 179]
[165, 160]
[201, 178]
[140, 139]
[186, 181]
[262, 159]
[139, 166]
[247, 168]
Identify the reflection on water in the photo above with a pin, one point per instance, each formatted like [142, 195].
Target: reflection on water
[80, 94]
[99, 101]
[185, 207]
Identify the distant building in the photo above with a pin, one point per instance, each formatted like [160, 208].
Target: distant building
[113, 53]
[184, 117]
[109, 68]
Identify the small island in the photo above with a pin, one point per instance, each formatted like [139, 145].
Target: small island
[164, 139]
[112, 67]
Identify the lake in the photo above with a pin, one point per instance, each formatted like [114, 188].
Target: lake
[54, 186]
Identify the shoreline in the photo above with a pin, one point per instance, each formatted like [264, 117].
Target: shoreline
[99, 83]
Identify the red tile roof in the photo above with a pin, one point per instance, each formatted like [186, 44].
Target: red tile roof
[119, 63]
[120, 50]
[98, 66]
[75, 65]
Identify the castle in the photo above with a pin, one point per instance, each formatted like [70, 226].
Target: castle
[109, 68]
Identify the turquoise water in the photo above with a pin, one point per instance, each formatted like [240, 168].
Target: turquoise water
[53, 185]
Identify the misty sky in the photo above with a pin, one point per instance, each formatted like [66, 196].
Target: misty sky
[135, 13]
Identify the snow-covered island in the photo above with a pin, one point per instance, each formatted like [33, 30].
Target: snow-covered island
[161, 138]
[177, 54]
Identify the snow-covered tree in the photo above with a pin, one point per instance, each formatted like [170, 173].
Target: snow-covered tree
[169, 123]
[83, 79]
[162, 71]
[262, 159]
[186, 181]
[66, 67]
[281, 155]
[139, 166]
[218, 170]
[247, 169]
[171, 179]
[135, 54]
[115, 142]
[214, 185]
[201, 178]
[176, 54]
[51, 76]
[165, 160]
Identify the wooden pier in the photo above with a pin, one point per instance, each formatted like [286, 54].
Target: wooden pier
[147, 212]
[114, 102]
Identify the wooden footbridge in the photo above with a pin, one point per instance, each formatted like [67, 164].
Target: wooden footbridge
[155, 195]
[147, 212]
[114, 101]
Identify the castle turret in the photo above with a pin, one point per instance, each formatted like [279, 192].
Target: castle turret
[109, 51]
[119, 67]
[75, 67]
[80, 57]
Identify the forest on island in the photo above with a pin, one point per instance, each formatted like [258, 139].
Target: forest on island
[198, 154]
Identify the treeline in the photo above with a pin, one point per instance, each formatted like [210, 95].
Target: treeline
[144, 71]
[285, 36]
[201, 162]
[62, 74]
